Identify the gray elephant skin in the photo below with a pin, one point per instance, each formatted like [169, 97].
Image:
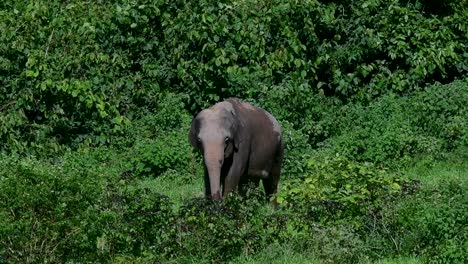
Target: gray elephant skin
[240, 143]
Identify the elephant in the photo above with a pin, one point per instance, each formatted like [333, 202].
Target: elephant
[240, 143]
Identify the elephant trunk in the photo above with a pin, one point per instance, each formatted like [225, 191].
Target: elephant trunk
[213, 162]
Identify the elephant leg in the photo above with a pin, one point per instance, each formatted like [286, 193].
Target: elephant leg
[225, 170]
[232, 180]
[270, 184]
[236, 171]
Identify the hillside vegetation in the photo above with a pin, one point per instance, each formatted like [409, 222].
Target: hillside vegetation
[96, 100]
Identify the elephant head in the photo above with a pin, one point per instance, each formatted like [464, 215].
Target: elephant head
[216, 132]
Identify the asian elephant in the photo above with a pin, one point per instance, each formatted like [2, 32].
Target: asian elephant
[240, 143]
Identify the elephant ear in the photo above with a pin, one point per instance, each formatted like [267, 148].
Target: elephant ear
[193, 133]
[229, 149]
[237, 128]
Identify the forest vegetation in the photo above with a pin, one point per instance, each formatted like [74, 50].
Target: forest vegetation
[96, 100]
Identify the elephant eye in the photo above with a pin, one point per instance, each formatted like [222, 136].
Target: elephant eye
[198, 139]
[226, 140]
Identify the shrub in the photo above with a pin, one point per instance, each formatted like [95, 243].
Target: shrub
[165, 116]
[312, 114]
[81, 72]
[220, 231]
[431, 223]
[78, 210]
[157, 140]
[152, 157]
[441, 112]
[297, 152]
[212, 232]
[424, 123]
[76, 71]
[136, 222]
[48, 214]
[335, 188]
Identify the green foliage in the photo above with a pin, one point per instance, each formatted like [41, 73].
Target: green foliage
[391, 47]
[443, 113]
[136, 221]
[152, 157]
[313, 115]
[104, 91]
[80, 72]
[77, 211]
[432, 222]
[297, 151]
[444, 220]
[48, 213]
[336, 188]
[361, 49]
[76, 72]
[166, 115]
[157, 141]
[441, 8]
[241, 227]
[425, 123]
[204, 222]
[84, 209]
[235, 48]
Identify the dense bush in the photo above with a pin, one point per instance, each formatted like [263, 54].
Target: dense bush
[425, 123]
[136, 222]
[76, 72]
[157, 141]
[241, 227]
[358, 48]
[48, 213]
[154, 157]
[79, 211]
[84, 210]
[229, 229]
[432, 223]
[336, 188]
[315, 116]
[96, 98]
